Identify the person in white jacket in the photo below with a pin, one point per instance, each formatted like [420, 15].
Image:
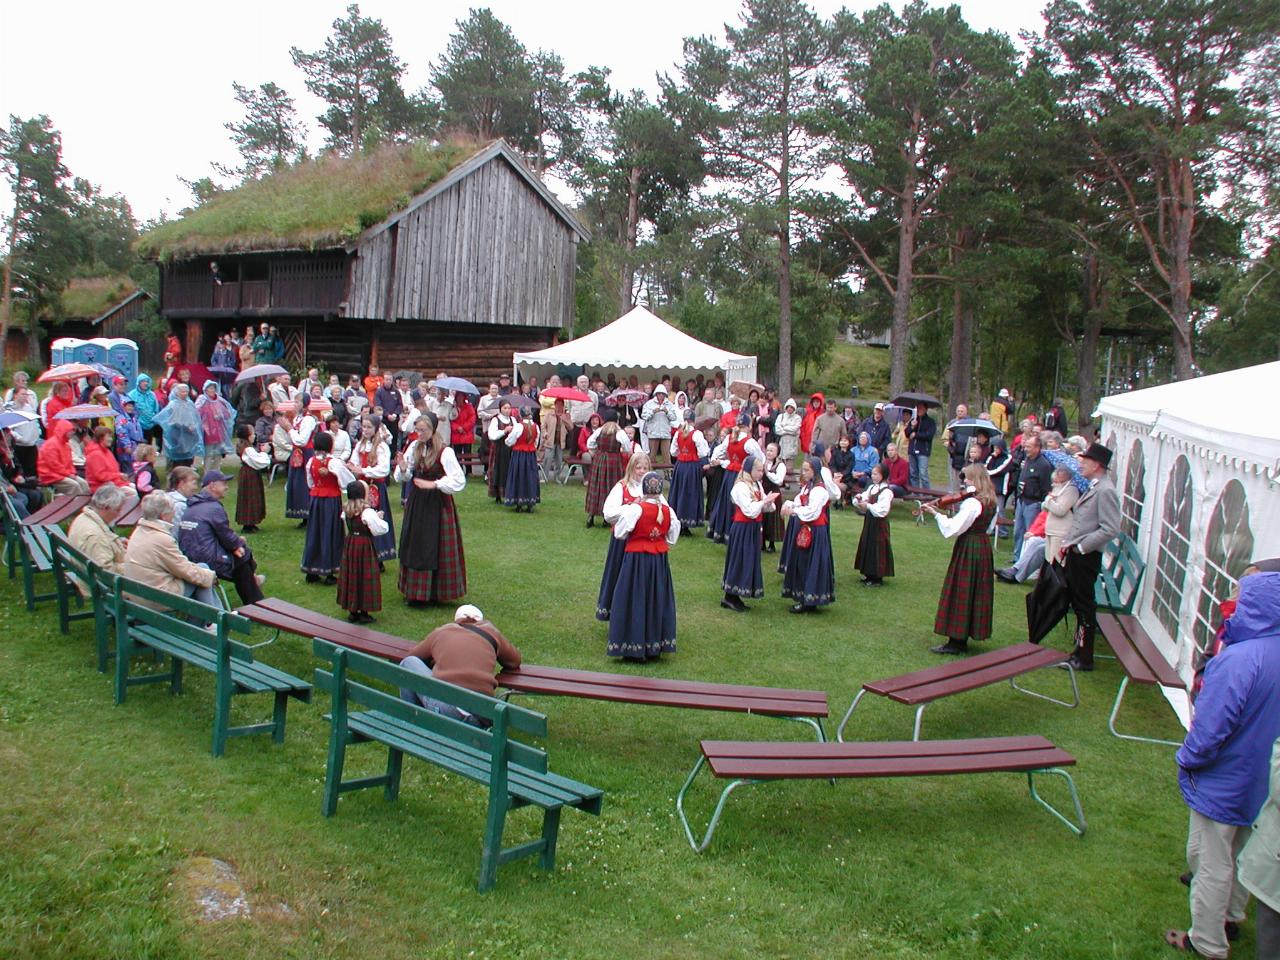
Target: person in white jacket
[787, 426]
[658, 417]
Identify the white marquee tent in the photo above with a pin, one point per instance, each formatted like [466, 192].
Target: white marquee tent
[1197, 464]
[638, 343]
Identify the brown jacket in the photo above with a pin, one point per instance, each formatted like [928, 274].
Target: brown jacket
[153, 559]
[457, 655]
[90, 535]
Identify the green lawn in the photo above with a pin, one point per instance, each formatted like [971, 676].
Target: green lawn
[849, 364]
[100, 805]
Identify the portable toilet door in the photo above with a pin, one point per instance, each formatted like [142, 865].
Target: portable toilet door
[122, 354]
[63, 349]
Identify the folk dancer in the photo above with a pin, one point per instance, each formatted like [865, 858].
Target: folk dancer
[644, 599]
[736, 446]
[742, 574]
[810, 578]
[433, 567]
[371, 462]
[775, 478]
[522, 489]
[297, 504]
[251, 496]
[874, 559]
[626, 490]
[326, 476]
[607, 447]
[964, 607]
[360, 576]
[691, 453]
[499, 451]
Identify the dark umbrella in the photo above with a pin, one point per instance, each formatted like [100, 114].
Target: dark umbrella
[1048, 603]
[915, 399]
[705, 423]
[519, 400]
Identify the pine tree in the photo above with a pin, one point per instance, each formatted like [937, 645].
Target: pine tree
[269, 136]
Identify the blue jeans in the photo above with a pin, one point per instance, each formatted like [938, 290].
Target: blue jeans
[1024, 514]
[919, 463]
[416, 665]
[1028, 563]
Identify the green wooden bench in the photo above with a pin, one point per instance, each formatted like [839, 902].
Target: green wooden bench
[75, 582]
[147, 619]
[1116, 589]
[27, 547]
[516, 773]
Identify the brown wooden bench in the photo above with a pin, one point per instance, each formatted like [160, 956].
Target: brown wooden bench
[56, 510]
[923, 687]
[131, 516]
[1142, 662]
[575, 463]
[804, 706]
[286, 617]
[745, 762]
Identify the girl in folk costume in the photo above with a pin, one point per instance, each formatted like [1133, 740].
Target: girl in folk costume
[251, 496]
[810, 579]
[371, 462]
[607, 446]
[499, 450]
[775, 478]
[742, 574]
[732, 451]
[964, 607]
[625, 491]
[327, 477]
[643, 623]
[522, 489]
[691, 452]
[297, 504]
[360, 577]
[433, 568]
[829, 483]
[875, 553]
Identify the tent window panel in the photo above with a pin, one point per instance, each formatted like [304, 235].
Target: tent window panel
[1135, 491]
[1175, 546]
[1228, 548]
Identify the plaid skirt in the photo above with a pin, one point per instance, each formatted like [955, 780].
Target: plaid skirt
[875, 552]
[297, 495]
[686, 492]
[359, 580]
[811, 576]
[251, 498]
[644, 602]
[448, 582]
[609, 577]
[720, 520]
[964, 608]
[385, 545]
[742, 574]
[322, 550]
[604, 472]
[522, 488]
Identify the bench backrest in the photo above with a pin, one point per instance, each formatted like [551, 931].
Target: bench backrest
[505, 717]
[176, 615]
[1121, 574]
[70, 565]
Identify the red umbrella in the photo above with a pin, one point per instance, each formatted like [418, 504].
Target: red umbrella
[566, 393]
[68, 372]
[84, 411]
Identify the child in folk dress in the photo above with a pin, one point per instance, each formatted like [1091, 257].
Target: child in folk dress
[251, 496]
[964, 606]
[810, 577]
[327, 477]
[691, 451]
[626, 490]
[643, 620]
[875, 551]
[742, 574]
[775, 478]
[360, 576]
[523, 488]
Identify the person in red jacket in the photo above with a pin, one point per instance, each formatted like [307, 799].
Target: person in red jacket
[100, 464]
[60, 397]
[897, 471]
[53, 462]
[817, 403]
[463, 434]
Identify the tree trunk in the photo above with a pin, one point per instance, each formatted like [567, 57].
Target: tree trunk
[1095, 308]
[6, 298]
[1183, 216]
[900, 332]
[783, 377]
[627, 281]
[960, 373]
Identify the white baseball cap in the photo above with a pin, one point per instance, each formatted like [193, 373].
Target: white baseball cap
[467, 612]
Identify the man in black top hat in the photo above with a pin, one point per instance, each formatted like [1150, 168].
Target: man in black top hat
[1095, 522]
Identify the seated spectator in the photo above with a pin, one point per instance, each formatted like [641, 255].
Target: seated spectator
[55, 466]
[100, 464]
[22, 490]
[90, 532]
[899, 476]
[152, 557]
[865, 456]
[842, 470]
[281, 442]
[466, 653]
[184, 483]
[205, 536]
[143, 471]
[1027, 566]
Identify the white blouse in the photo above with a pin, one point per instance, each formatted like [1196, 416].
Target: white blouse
[829, 482]
[377, 526]
[969, 510]
[454, 479]
[255, 459]
[751, 449]
[876, 499]
[496, 425]
[612, 508]
[341, 445]
[302, 430]
[777, 473]
[624, 442]
[381, 466]
[808, 512]
[629, 516]
[743, 497]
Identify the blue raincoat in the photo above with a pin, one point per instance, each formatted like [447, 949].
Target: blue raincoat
[145, 404]
[183, 437]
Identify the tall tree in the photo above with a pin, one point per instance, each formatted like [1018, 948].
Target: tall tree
[269, 135]
[41, 249]
[358, 74]
[769, 85]
[103, 230]
[1159, 87]
[485, 81]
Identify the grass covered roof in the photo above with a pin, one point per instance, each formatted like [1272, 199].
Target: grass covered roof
[86, 298]
[317, 204]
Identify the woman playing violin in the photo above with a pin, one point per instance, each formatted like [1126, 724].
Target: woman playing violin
[964, 608]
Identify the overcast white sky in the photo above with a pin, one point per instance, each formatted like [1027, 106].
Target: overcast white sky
[140, 89]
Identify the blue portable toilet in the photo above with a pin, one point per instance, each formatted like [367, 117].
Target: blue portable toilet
[63, 350]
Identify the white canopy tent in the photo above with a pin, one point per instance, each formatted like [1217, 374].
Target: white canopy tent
[1197, 464]
[640, 343]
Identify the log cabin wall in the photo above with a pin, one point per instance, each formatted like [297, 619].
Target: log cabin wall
[478, 353]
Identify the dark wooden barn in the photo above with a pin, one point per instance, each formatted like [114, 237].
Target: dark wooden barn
[457, 275]
[93, 307]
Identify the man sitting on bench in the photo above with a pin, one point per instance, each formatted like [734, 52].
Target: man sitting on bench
[466, 653]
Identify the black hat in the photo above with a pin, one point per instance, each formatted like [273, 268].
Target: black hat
[1098, 454]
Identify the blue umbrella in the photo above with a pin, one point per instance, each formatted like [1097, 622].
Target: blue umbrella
[15, 418]
[457, 384]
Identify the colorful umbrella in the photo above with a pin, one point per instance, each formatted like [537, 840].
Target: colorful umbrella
[71, 371]
[84, 411]
[627, 397]
[457, 384]
[567, 393]
[260, 370]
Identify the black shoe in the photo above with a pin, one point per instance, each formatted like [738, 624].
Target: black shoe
[591, 522]
[313, 578]
[302, 524]
[1006, 575]
[365, 618]
[1185, 879]
[800, 608]
[1080, 664]
[874, 583]
[1232, 930]
[353, 618]
[329, 581]
[731, 606]
[950, 649]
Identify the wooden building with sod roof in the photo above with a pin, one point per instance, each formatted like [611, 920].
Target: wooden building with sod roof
[412, 256]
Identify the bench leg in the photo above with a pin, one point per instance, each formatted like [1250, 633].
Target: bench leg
[550, 833]
[333, 769]
[848, 714]
[491, 852]
[1075, 688]
[1078, 825]
[395, 765]
[175, 676]
[915, 730]
[221, 709]
[278, 716]
[715, 816]
[1111, 722]
[816, 722]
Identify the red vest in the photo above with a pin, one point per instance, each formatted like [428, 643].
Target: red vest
[528, 442]
[737, 453]
[738, 515]
[803, 500]
[322, 485]
[650, 534]
[627, 496]
[297, 424]
[686, 449]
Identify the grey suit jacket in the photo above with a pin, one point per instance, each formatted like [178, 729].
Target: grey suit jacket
[1095, 521]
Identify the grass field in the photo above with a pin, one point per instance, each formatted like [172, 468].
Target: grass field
[100, 805]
